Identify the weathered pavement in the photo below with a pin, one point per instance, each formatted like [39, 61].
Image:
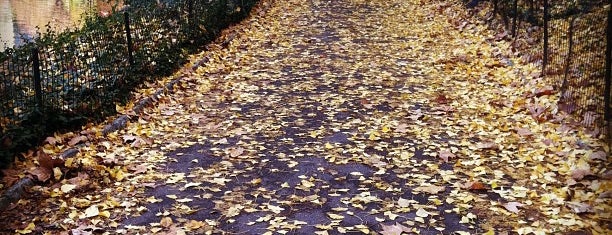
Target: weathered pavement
[307, 139]
[342, 117]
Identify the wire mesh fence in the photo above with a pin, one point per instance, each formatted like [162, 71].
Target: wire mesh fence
[64, 79]
[569, 39]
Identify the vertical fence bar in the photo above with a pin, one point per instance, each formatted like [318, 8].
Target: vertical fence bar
[568, 59]
[514, 21]
[128, 33]
[607, 90]
[37, 79]
[545, 52]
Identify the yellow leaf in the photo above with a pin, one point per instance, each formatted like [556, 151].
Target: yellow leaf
[329, 146]
[67, 187]
[166, 222]
[335, 216]
[92, 211]
[68, 163]
[374, 135]
[386, 129]
[422, 213]
[172, 196]
[105, 214]
[29, 229]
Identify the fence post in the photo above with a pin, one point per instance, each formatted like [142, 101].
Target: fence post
[607, 90]
[545, 52]
[37, 79]
[126, 17]
[515, 10]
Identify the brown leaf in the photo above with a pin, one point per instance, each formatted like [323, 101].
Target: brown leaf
[547, 90]
[44, 160]
[445, 155]
[523, 132]
[139, 169]
[235, 152]
[580, 173]
[50, 140]
[42, 173]
[431, 189]
[578, 207]
[487, 145]
[76, 140]
[513, 206]
[475, 185]
[441, 99]
[601, 155]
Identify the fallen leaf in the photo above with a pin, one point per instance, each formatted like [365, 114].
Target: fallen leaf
[579, 207]
[76, 140]
[474, 185]
[513, 206]
[42, 173]
[235, 152]
[487, 145]
[66, 188]
[396, 229]
[523, 132]
[92, 211]
[445, 155]
[422, 213]
[431, 189]
[166, 222]
[599, 155]
[580, 173]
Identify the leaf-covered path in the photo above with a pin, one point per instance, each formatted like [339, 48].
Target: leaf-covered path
[352, 116]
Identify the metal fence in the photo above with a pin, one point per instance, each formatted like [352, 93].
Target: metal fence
[571, 41]
[65, 79]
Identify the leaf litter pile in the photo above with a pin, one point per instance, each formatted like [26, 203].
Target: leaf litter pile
[332, 117]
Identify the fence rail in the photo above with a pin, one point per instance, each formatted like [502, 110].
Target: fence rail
[64, 79]
[572, 44]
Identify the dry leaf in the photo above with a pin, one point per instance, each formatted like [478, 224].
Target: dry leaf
[395, 229]
[235, 152]
[523, 132]
[513, 206]
[599, 155]
[66, 188]
[475, 185]
[487, 145]
[579, 207]
[445, 155]
[431, 189]
[92, 211]
[76, 140]
[42, 173]
[422, 213]
[166, 222]
[580, 173]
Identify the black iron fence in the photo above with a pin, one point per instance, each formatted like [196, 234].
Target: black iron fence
[65, 79]
[571, 41]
